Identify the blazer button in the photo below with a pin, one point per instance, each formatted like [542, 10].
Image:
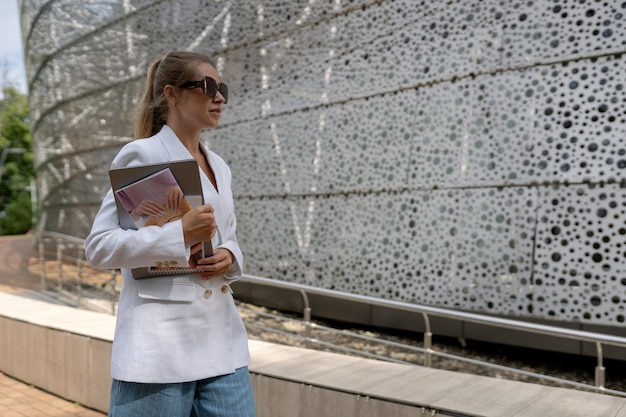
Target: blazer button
[225, 289]
[208, 293]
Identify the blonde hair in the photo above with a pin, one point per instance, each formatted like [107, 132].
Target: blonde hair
[174, 68]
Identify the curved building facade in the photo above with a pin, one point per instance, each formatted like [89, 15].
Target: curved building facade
[467, 154]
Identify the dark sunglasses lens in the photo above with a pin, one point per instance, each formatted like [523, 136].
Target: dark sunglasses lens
[210, 87]
[224, 91]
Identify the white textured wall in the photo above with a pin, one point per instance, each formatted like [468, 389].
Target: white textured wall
[456, 153]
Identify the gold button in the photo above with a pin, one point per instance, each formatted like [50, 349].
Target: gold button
[224, 289]
[173, 263]
[208, 293]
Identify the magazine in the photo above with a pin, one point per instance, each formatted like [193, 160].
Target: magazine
[153, 195]
[146, 200]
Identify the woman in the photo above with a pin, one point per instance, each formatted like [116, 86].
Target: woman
[180, 346]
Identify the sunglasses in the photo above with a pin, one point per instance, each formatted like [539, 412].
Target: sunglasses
[209, 87]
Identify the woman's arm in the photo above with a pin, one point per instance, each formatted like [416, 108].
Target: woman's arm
[225, 238]
[110, 246]
[229, 242]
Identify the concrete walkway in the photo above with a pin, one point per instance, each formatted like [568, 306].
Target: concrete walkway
[18, 399]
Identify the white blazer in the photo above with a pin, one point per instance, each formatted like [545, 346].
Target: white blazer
[175, 328]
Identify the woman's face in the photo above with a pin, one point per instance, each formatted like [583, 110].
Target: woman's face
[198, 110]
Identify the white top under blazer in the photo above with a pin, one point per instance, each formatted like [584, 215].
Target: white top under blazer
[173, 328]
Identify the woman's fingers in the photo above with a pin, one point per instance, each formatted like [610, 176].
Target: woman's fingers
[174, 197]
[150, 208]
[199, 224]
[216, 265]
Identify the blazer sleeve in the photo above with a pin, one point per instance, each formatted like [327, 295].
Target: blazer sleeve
[108, 246]
[229, 241]
[228, 228]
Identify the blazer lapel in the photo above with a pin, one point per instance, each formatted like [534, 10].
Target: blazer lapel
[172, 145]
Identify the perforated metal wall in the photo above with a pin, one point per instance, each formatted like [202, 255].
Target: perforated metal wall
[469, 154]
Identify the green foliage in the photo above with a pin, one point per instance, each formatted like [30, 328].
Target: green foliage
[16, 218]
[18, 170]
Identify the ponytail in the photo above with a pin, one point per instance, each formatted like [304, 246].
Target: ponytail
[148, 120]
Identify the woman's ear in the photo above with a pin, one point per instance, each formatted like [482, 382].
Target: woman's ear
[170, 94]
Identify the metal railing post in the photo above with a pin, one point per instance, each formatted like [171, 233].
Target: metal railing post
[600, 370]
[428, 342]
[307, 317]
[59, 251]
[79, 273]
[42, 263]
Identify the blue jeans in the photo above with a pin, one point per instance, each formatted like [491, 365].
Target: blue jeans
[222, 396]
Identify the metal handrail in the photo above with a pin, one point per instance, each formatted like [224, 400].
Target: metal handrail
[62, 243]
[598, 339]
[316, 344]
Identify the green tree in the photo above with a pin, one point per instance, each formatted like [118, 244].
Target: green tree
[18, 169]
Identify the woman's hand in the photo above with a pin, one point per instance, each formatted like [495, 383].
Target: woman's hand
[174, 198]
[147, 208]
[216, 265]
[198, 225]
